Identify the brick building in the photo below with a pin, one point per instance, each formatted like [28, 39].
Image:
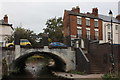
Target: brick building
[80, 27]
[89, 31]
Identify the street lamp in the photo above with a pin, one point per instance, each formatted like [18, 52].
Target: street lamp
[112, 54]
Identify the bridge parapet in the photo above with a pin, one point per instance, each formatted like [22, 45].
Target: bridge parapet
[66, 54]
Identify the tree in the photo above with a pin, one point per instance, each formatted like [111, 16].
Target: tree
[54, 29]
[25, 34]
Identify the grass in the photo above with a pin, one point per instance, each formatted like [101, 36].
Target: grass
[110, 76]
[77, 72]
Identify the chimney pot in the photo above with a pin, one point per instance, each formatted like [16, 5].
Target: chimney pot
[5, 19]
[95, 11]
[73, 8]
[77, 9]
[88, 12]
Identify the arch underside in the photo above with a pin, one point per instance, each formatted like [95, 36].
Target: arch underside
[60, 64]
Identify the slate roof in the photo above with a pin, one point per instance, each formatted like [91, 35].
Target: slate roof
[82, 14]
[108, 18]
[3, 23]
[100, 16]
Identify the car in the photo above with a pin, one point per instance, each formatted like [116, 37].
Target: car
[23, 42]
[57, 44]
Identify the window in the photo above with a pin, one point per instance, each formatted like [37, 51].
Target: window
[96, 35]
[109, 27]
[116, 27]
[79, 31]
[109, 35]
[96, 23]
[79, 21]
[88, 34]
[88, 22]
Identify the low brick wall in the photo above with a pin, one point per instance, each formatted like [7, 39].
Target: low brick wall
[81, 64]
[101, 54]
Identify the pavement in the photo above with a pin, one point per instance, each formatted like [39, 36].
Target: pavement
[78, 77]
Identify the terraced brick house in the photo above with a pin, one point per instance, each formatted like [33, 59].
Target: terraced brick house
[88, 27]
[92, 33]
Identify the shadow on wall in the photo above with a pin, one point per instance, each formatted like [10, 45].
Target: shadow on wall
[19, 63]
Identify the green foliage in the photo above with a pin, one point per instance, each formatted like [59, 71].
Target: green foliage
[107, 76]
[54, 29]
[77, 72]
[25, 34]
[110, 76]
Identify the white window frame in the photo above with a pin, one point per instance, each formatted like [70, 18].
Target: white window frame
[88, 34]
[87, 21]
[79, 20]
[79, 28]
[116, 27]
[109, 27]
[96, 36]
[96, 20]
[109, 36]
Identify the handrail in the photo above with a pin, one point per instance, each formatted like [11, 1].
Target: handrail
[84, 55]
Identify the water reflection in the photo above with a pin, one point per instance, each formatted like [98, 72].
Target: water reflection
[34, 70]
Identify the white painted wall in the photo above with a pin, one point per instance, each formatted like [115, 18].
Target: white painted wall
[119, 34]
[116, 34]
[4, 32]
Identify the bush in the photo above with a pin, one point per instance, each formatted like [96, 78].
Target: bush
[109, 76]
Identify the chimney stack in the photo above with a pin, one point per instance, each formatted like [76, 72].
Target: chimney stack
[76, 9]
[5, 19]
[95, 11]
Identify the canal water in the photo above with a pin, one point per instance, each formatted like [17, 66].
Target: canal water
[36, 70]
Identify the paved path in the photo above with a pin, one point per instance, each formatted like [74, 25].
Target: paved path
[77, 76]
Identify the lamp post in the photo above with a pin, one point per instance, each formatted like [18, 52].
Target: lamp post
[112, 54]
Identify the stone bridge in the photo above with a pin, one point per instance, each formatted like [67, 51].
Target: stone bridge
[64, 58]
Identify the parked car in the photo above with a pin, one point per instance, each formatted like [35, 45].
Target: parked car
[23, 42]
[57, 44]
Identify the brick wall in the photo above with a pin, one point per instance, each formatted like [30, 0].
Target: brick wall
[92, 32]
[100, 29]
[83, 28]
[66, 23]
[101, 54]
[73, 25]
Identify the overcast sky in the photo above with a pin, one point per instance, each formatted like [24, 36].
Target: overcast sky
[33, 14]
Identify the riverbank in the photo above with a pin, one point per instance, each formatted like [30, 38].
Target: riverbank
[77, 76]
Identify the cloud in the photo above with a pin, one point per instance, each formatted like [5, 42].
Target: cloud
[33, 15]
[59, 0]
